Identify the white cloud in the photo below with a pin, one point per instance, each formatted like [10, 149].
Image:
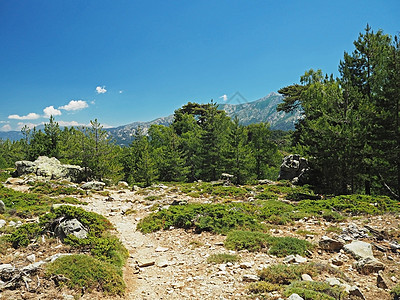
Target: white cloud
[93, 102]
[224, 97]
[121, 91]
[30, 116]
[51, 111]
[6, 127]
[101, 90]
[74, 105]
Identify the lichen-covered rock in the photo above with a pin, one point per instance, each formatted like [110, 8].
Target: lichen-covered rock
[50, 168]
[359, 249]
[73, 227]
[369, 265]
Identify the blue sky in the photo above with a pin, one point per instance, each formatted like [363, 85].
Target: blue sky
[125, 61]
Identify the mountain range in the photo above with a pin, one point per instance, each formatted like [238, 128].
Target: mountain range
[261, 110]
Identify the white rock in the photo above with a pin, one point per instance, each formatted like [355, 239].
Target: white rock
[2, 223]
[295, 297]
[161, 249]
[359, 249]
[246, 265]
[306, 277]
[31, 258]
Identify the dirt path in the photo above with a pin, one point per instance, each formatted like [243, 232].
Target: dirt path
[170, 264]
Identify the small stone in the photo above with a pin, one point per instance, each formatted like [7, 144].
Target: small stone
[393, 278]
[2, 223]
[146, 263]
[162, 249]
[246, 265]
[289, 259]
[162, 263]
[2, 207]
[355, 291]
[295, 297]
[250, 278]
[306, 277]
[31, 258]
[300, 259]
[381, 281]
[333, 281]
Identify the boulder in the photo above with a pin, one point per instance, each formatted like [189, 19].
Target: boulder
[6, 272]
[295, 297]
[93, 185]
[369, 265]
[250, 278]
[2, 207]
[73, 227]
[329, 244]
[295, 169]
[50, 168]
[359, 249]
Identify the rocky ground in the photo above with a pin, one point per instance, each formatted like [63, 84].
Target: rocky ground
[173, 264]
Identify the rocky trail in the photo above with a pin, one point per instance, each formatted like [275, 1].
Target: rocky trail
[172, 264]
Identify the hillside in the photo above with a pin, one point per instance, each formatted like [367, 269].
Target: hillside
[261, 110]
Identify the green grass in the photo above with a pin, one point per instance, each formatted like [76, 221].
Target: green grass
[222, 258]
[256, 241]
[395, 292]
[88, 273]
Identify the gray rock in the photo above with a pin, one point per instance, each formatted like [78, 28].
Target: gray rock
[328, 244]
[300, 259]
[50, 168]
[94, 185]
[295, 297]
[369, 265]
[359, 249]
[6, 272]
[33, 267]
[306, 277]
[381, 281]
[31, 258]
[355, 291]
[73, 227]
[289, 259]
[123, 184]
[2, 223]
[250, 278]
[2, 207]
[333, 281]
[295, 169]
[145, 263]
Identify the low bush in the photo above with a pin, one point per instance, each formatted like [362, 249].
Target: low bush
[87, 273]
[55, 188]
[261, 287]
[222, 258]
[256, 241]
[395, 292]
[22, 236]
[283, 246]
[285, 274]
[246, 240]
[217, 218]
[314, 290]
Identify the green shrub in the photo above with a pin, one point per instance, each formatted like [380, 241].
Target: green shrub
[314, 290]
[256, 241]
[222, 258]
[262, 287]
[86, 272]
[97, 224]
[395, 292]
[55, 188]
[22, 236]
[283, 246]
[217, 218]
[249, 240]
[285, 274]
[152, 198]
